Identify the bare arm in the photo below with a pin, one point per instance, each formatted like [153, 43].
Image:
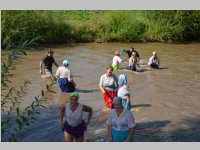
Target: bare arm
[127, 101]
[55, 63]
[41, 67]
[110, 133]
[88, 109]
[102, 89]
[62, 113]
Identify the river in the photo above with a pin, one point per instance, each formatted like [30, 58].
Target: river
[166, 102]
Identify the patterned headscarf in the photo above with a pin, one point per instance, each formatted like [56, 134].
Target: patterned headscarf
[122, 79]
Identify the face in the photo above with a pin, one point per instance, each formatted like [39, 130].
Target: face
[109, 72]
[50, 53]
[74, 101]
[117, 106]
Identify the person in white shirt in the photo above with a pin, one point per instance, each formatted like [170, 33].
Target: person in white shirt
[116, 61]
[72, 121]
[65, 81]
[123, 91]
[154, 61]
[108, 86]
[121, 123]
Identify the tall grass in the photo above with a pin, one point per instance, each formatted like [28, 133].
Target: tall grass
[59, 26]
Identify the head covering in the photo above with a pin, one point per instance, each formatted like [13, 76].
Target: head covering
[117, 100]
[74, 94]
[65, 62]
[154, 53]
[122, 49]
[122, 79]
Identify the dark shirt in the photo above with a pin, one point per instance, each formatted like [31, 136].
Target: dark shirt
[130, 53]
[48, 61]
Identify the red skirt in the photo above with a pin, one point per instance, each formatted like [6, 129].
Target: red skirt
[108, 97]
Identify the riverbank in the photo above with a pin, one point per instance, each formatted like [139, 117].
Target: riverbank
[102, 26]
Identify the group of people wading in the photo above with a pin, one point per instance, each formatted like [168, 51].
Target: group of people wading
[115, 91]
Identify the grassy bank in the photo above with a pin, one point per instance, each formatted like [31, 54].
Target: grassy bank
[87, 26]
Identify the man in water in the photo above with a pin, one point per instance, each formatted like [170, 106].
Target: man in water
[130, 51]
[47, 62]
[154, 61]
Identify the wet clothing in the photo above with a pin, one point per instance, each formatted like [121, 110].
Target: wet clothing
[132, 63]
[64, 77]
[65, 85]
[108, 96]
[74, 121]
[63, 72]
[154, 62]
[48, 61]
[130, 53]
[106, 81]
[124, 122]
[73, 118]
[123, 92]
[120, 136]
[132, 68]
[121, 125]
[110, 86]
[154, 66]
[77, 131]
[115, 63]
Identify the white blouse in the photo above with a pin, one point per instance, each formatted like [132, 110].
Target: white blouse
[63, 72]
[116, 60]
[108, 81]
[124, 122]
[74, 118]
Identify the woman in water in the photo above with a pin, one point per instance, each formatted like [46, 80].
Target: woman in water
[123, 91]
[72, 121]
[65, 82]
[108, 86]
[121, 123]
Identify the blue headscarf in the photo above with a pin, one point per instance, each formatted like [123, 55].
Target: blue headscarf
[117, 100]
[122, 79]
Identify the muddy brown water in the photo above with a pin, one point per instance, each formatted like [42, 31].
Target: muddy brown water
[166, 102]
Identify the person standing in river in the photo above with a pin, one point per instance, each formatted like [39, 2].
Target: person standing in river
[72, 122]
[138, 56]
[116, 61]
[65, 82]
[108, 86]
[120, 123]
[47, 62]
[154, 61]
[123, 91]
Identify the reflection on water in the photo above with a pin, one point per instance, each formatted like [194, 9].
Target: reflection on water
[165, 102]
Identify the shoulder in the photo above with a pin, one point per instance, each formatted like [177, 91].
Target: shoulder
[103, 76]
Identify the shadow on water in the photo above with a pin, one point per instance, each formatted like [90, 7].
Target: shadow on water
[86, 91]
[141, 105]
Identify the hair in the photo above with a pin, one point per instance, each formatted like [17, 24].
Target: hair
[109, 67]
[50, 51]
[117, 52]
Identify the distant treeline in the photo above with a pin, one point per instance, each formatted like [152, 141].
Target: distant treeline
[60, 26]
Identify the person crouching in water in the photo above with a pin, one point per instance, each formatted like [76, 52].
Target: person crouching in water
[72, 121]
[116, 61]
[65, 82]
[123, 91]
[132, 62]
[108, 86]
[154, 61]
[121, 123]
